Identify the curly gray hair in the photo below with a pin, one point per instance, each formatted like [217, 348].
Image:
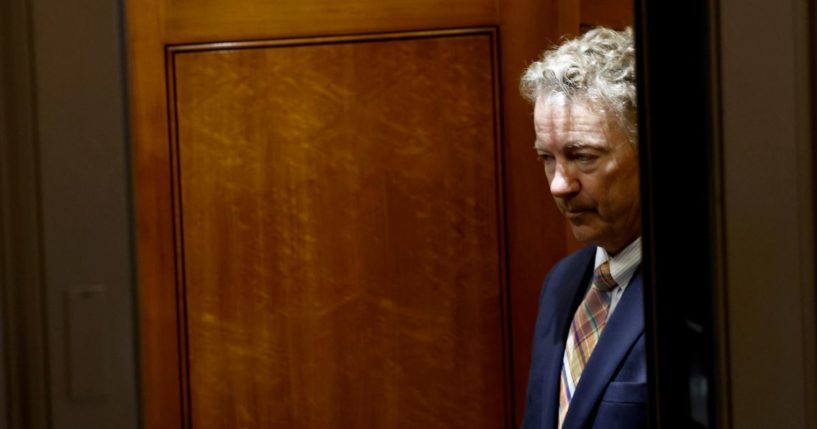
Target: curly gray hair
[597, 67]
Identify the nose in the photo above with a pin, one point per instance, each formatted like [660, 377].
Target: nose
[563, 183]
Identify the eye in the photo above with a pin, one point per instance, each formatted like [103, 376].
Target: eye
[585, 157]
[545, 157]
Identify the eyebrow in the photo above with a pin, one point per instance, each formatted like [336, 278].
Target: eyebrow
[576, 145]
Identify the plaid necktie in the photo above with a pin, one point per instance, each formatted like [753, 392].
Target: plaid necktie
[588, 322]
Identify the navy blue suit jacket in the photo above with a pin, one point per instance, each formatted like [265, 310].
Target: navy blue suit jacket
[612, 392]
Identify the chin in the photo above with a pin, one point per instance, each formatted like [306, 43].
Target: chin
[586, 237]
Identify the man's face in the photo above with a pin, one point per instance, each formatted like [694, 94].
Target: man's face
[592, 170]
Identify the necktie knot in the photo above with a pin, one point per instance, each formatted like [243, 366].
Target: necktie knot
[602, 279]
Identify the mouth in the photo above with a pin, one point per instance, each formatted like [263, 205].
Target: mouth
[576, 213]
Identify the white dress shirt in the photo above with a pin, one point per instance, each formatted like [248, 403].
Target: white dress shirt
[622, 268]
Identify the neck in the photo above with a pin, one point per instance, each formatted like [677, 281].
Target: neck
[612, 251]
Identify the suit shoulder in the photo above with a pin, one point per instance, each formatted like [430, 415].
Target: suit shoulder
[568, 272]
[573, 261]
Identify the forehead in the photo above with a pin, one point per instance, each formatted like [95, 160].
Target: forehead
[555, 116]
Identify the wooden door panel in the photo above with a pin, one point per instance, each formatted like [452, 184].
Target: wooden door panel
[214, 20]
[404, 379]
[341, 258]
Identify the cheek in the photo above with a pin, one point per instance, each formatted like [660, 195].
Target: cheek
[625, 195]
[612, 197]
[595, 189]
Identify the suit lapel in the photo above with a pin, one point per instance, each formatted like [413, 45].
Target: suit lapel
[569, 288]
[624, 327]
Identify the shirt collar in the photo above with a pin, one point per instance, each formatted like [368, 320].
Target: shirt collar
[624, 264]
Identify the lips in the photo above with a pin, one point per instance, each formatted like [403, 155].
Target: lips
[571, 214]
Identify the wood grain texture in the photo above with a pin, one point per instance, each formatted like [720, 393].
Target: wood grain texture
[609, 13]
[213, 20]
[342, 254]
[538, 235]
[535, 232]
[569, 18]
[155, 247]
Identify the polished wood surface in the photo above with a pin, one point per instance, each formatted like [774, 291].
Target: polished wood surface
[341, 255]
[155, 243]
[214, 20]
[536, 233]
[609, 13]
[535, 236]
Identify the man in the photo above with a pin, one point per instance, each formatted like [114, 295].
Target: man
[588, 366]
